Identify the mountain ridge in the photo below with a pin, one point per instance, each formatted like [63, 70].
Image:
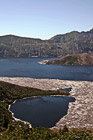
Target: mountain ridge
[58, 46]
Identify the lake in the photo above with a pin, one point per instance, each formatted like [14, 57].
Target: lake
[29, 67]
[42, 111]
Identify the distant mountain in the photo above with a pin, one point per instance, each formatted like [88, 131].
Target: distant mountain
[75, 59]
[58, 46]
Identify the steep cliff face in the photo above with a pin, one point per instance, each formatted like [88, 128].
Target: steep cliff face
[78, 59]
[58, 46]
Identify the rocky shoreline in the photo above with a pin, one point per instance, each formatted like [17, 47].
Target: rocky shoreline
[80, 112]
[43, 62]
[16, 119]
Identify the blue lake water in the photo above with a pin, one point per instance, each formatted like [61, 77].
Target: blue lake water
[29, 67]
[42, 111]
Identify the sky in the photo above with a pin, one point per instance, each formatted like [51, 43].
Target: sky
[45, 18]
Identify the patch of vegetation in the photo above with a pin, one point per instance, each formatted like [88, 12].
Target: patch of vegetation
[69, 60]
[21, 131]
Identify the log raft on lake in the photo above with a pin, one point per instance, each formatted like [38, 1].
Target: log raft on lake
[80, 112]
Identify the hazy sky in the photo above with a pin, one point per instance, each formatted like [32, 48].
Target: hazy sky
[45, 18]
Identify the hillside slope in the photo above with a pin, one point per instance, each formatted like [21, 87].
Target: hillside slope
[58, 46]
[77, 59]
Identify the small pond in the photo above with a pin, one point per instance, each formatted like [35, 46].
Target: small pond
[42, 111]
